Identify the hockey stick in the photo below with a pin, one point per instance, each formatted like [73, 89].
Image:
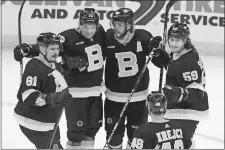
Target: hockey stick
[168, 6]
[55, 129]
[20, 37]
[130, 96]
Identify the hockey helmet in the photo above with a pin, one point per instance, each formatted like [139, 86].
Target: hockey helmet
[124, 14]
[156, 102]
[179, 30]
[89, 15]
[48, 38]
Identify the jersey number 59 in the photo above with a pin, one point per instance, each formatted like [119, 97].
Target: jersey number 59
[190, 75]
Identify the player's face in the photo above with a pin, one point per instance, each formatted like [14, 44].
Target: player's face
[52, 52]
[88, 30]
[119, 28]
[176, 44]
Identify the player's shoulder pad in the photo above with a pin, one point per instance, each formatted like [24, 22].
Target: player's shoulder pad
[191, 56]
[109, 36]
[67, 34]
[142, 34]
[101, 29]
[110, 33]
[32, 65]
[178, 124]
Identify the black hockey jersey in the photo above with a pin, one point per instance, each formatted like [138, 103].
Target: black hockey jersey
[187, 71]
[166, 135]
[123, 66]
[88, 82]
[31, 111]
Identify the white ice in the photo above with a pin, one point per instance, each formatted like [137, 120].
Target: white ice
[209, 134]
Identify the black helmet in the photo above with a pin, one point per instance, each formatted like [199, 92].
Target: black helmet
[156, 103]
[124, 14]
[89, 15]
[179, 30]
[48, 38]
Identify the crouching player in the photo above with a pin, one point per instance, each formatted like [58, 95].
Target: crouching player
[160, 133]
[42, 94]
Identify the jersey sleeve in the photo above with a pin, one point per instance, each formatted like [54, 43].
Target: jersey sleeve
[30, 88]
[142, 140]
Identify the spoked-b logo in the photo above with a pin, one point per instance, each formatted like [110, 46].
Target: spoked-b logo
[148, 10]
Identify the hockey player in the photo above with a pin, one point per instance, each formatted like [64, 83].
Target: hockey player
[83, 67]
[185, 80]
[160, 133]
[42, 94]
[126, 53]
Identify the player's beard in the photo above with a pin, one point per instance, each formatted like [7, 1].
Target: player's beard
[88, 35]
[119, 35]
[126, 38]
[53, 58]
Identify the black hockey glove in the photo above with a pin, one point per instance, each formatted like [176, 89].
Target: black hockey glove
[77, 62]
[161, 58]
[58, 98]
[154, 42]
[26, 50]
[175, 94]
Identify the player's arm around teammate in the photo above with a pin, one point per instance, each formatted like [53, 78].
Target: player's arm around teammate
[82, 62]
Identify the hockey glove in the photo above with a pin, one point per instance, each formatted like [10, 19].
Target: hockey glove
[26, 50]
[161, 58]
[77, 62]
[175, 94]
[67, 99]
[154, 42]
[58, 98]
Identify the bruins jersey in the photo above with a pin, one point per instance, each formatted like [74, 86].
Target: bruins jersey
[123, 66]
[166, 135]
[187, 71]
[88, 82]
[31, 111]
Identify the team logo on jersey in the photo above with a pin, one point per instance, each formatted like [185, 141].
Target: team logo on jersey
[80, 123]
[55, 146]
[109, 120]
[82, 42]
[167, 126]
